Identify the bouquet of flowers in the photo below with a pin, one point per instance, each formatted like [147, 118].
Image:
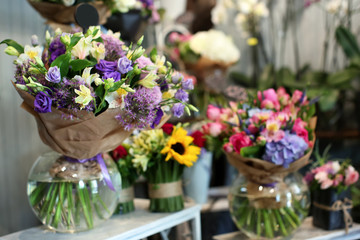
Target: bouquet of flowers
[128, 174]
[146, 7]
[330, 183]
[266, 138]
[87, 92]
[161, 155]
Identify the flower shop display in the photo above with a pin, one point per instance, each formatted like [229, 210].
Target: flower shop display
[161, 155]
[330, 183]
[131, 17]
[128, 177]
[267, 139]
[87, 93]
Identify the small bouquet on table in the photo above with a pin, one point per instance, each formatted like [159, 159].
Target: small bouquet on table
[161, 155]
[87, 93]
[267, 138]
[330, 183]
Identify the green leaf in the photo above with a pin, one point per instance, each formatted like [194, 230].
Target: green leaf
[253, 151]
[347, 41]
[285, 77]
[314, 79]
[341, 79]
[100, 91]
[116, 86]
[240, 79]
[74, 41]
[80, 64]
[13, 44]
[266, 79]
[62, 62]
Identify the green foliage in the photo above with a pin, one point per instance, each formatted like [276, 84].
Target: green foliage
[252, 152]
[14, 44]
[62, 62]
[347, 41]
[80, 64]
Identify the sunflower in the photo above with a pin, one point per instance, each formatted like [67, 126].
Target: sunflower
[178, 147]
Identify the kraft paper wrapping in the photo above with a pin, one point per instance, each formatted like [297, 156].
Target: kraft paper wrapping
[83, 137]
[59, 13]
[126, 195]
[165, 190]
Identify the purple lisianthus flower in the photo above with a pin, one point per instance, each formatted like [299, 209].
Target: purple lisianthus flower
[56, 49]
[115, 75]
[163, 85]
[159, 115]
[42, 103]
[178, 109]
[187, 84]
[182, 95]
[106, 66]
[177, 77]
[124, 65]
[53, 75]
[289, 149]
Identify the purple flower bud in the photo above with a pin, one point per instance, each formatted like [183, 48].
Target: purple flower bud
[53, 75]
[124, 65]
[159, 115]
[106, 66]
[176, 77]
[178, 109]
[187, 84]
[115, 75]
[182, 95]
[42, 103]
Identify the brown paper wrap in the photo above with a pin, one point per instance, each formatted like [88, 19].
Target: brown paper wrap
[83, 137]
[59, 13]
[165, 190]
[126, 195]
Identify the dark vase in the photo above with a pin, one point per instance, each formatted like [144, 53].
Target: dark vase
[131, 25]
[329, 220]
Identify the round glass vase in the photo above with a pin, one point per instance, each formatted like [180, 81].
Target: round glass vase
[70, 196]
[269, 211]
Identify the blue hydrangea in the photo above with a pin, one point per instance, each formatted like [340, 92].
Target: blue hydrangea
[287, 150]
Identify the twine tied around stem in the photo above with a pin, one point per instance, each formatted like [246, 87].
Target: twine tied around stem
[338, 206]
[165, 190]
[126, 195]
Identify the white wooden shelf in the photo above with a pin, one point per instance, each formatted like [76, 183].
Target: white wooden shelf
[132, 226]
[306, 232]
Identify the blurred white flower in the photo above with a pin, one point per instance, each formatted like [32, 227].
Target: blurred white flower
[215, 45]
[219, 14]
[68, 3]
[125, 5]
[335, 6]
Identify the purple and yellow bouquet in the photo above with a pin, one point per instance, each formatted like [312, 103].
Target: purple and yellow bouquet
[87, 93]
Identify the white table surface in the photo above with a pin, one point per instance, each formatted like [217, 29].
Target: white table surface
[132, 226]
[306, 232]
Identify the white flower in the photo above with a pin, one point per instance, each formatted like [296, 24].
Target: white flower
[219, 14]
[261, 10]
[84, 96]
[335, 166]
[68, 3]
[82, 48]
[125, 5]
[215, 45]
[335, 6]
[29, 53]
[98, 51]
[114, 35]
[87, 77]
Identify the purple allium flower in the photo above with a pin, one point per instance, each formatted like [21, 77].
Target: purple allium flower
[113, 47]
[178, 109]
[115, 75]
[176, 77]
[159, 115]
[140, 108]
[182, 95]
[42, 103]
[56, 49]
[289, 149]
[106, 66]
[143, 62]
[187, 84]
[124, 65]
[53, 75]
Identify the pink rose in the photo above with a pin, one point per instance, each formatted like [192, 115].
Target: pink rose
[283, 96]
[338, 179]
[253, 129]
[213, 113]
[351, 176]
[299, 129]
[213, 129]
[297, 96]
[323, 179]
[228, 147]
[269, 99]
[240, 140]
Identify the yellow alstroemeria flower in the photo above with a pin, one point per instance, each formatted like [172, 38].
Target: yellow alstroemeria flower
[149, 80]
[178, 147]
[98, 51]
[84, 96]
[29, 53]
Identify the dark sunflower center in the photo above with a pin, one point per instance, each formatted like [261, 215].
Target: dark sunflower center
[179, 148]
